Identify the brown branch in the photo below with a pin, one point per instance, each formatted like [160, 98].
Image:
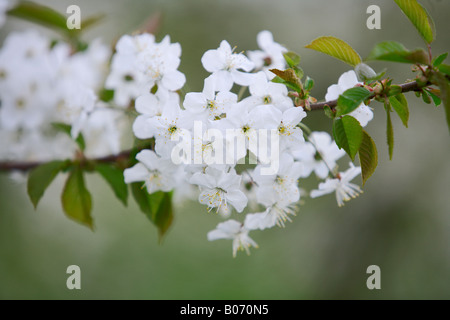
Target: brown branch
[406, 87]
[124, 155]
[26, 166]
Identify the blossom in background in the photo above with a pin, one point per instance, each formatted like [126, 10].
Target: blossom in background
[223, 63]
[345, 190]
[156, 173]
[270, 56]
[41, 84]
[140, 63]
[319, 154]
[346, 81]
[235, 231]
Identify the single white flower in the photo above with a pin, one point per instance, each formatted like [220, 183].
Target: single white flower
[291, 136]
[280, 186]
[345, 190]
[277, 214]
[270, 56]
[169, 130]
[235, 231]
[244, 124]
[346, 81]
[157, 173]
[159, 64]
[224, 65]
[209, 104]
[150, 106]
[265, 92]
[218, 188]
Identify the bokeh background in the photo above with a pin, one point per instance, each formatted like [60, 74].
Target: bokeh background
[401, 222]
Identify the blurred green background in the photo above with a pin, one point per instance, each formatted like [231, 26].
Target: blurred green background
[401, 222]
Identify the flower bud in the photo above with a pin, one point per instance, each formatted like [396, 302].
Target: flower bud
[364, 72]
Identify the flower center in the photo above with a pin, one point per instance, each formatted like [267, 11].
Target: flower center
[128, 78]
[267, 99]
[172, 129]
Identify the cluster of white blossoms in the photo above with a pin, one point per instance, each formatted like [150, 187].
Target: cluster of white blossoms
[43, 83]
[236, 146]
[245, 154]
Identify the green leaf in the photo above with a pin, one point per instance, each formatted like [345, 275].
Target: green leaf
[347, 133]
[436, 100]
[394, 90]
[336, 48]
[76, 199]
[445, 94]
[396, 52]
[106, 95]
[48, 17]
[439, 59]
[65, 128]
[425, 97]
[156, 206]
[389, 130]
[351, 99]
[400, 105]
[328, 112]
[40, 14]
[292, 59]
[368, 156]
[444, 68]
[41, 177]
[163, 217]
[114, 177]
[389, 51]
[419, 17]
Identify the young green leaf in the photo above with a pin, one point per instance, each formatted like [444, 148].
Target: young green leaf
[156, 206]
[351, 99]
[347, 133]
[114, 177]
[328, 112]
[309, 84]
[336, 48]
[368, 156]
[289, 77]
[389, 129]
[65, 128]
[292, 59]
[425, 97]
[436, 100]
[41, 177]
[76, 199]
[440, 59]
[400, 105]
[419, 17]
